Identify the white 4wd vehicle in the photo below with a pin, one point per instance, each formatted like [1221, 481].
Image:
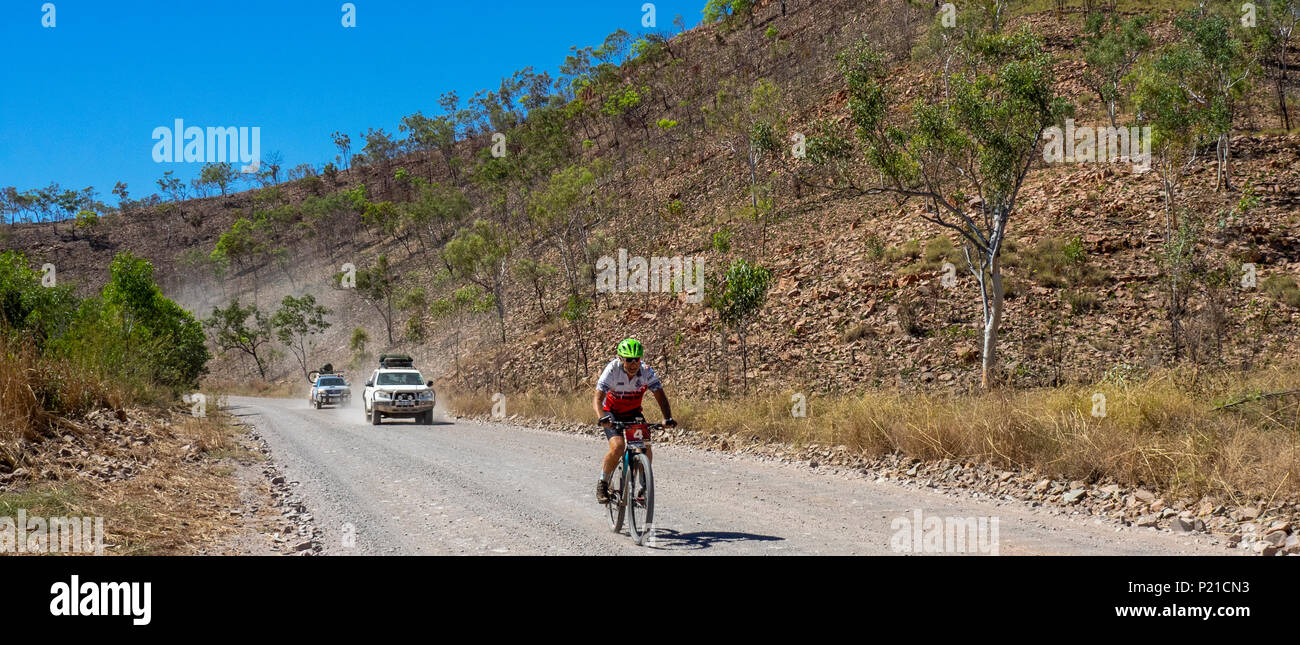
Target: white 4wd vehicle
[397, 389]
[329, 388]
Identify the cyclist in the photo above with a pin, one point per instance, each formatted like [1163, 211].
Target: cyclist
[618, 398]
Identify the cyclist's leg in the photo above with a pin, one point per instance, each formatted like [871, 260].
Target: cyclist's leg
[616, 448]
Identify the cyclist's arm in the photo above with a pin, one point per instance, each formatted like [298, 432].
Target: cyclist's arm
[598, 403]
[662, 400]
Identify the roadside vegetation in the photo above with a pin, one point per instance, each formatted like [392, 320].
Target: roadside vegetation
[1174, 430]
[85, 387]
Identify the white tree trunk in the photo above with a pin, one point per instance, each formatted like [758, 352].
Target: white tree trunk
[992, 321]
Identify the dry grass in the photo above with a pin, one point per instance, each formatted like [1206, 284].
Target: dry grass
[254, 387]
[181, 503]
[1161, 432]
[1284, 288]
[573, 406]
[72, 444]
[175, 498]
[35, 392]
[938, 250]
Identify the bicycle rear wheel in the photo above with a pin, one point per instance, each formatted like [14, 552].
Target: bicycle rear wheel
[641, 499]
[616, 504]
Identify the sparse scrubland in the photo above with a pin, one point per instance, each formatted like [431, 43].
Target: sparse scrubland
[918, 271]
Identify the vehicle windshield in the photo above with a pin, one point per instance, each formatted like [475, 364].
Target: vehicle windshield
[400, 378]
[330, 380]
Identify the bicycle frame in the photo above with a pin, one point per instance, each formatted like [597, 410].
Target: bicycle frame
[634, 447]
[636, 437]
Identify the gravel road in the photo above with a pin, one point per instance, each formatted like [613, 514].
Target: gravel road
[469, 487]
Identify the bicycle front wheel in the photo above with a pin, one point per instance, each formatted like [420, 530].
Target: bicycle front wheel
[617, 501]
[641, 499]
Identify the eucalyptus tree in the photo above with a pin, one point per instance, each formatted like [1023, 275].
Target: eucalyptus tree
[479, 255]
[963, 148]
[296, 322]
[1111, 47]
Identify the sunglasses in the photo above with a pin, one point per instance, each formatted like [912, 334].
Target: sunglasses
[631, 360]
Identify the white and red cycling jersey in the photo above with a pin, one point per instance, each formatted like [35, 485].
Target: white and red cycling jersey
[623, 393]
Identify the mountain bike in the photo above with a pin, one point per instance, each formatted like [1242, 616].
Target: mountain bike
[632, 487]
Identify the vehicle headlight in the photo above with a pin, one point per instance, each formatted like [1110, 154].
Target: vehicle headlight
[426, 395]
[383, 396]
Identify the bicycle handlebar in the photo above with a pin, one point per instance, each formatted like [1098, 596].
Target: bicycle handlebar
[624, 424]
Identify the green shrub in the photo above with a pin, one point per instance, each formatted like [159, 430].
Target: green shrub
[1056, 263]
[722, 241]
[1284, 288]
[940, 249]
[717, 10]
[1081, 302]
[1073, 251]
[87, 220]
[311, 184]
[29, 308]
[129, 337]
[875, 246]
[909, 251]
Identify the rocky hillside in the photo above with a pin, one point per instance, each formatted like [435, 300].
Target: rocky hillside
[858, 297]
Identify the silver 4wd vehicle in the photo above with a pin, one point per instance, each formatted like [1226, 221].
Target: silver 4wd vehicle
[329, 388]
[397, 389]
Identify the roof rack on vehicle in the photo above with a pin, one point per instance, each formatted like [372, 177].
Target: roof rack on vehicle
[325, 370]
[396, 360]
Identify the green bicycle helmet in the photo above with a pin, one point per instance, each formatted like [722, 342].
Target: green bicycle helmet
[630, 348]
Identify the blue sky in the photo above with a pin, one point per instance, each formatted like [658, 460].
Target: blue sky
[79, 101]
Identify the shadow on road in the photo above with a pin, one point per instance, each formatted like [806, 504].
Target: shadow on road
[669, 539]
